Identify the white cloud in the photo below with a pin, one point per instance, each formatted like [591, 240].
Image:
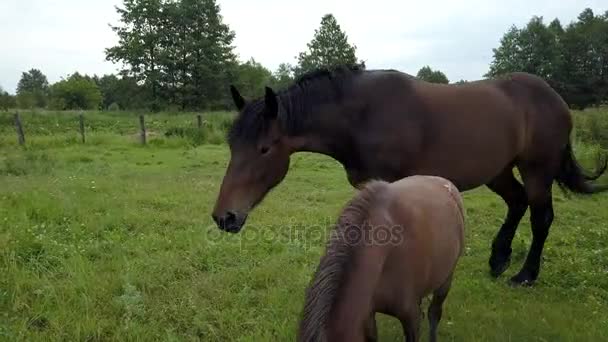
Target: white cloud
[457, 37]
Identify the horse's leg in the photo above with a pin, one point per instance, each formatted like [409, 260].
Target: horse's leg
[436, 308]
[514, 195]
[410, 321]
[371, 331]
[538, 183]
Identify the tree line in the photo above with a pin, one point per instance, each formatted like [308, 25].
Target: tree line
[572, 59]
[179, 55]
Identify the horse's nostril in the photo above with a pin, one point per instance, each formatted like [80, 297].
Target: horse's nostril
[230, 217]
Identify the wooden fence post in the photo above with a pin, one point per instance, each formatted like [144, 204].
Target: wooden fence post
[19, 129]
[199, 119]
[143, 129]
[81, 119]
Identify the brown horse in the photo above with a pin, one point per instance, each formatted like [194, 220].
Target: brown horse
[387, 125]
[393, 245]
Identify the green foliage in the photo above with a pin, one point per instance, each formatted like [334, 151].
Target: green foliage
[573, 60]
[585, 51]
[114, 107]
[328, 48]
[60, 128]
[75, 92]
[27, 100]
[434, 76]
[123, 92]
[283, 76]
[592, 127]
[252, 78]
[180, 51]
[139, 41]
[32, 89]
[7, 101]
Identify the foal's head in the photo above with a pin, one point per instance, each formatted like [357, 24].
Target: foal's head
[259, 159]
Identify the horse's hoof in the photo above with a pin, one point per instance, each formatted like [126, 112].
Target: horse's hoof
[498, 268]
[522, 279]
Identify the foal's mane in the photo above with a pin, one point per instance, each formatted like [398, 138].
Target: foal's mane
[296, 102]
[324, 288]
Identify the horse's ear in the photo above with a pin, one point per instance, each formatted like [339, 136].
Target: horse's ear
[239, 101]
[272, 106]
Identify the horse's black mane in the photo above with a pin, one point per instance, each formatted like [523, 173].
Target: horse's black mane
[296, 102]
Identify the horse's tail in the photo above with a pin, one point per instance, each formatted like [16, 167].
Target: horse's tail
[573, 177]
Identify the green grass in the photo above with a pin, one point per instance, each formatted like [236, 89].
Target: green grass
[55, 128]
[113, 241]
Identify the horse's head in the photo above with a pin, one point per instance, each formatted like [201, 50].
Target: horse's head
[259, 160]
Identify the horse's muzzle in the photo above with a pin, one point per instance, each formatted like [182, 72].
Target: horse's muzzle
[230, 222]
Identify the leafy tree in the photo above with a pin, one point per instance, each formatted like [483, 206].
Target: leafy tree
[122, 92]
[433, 76]
[556, 28]
[507, 57]
[109, 87]
[181, 51]
[533, 49]
[328, 48]
[585, 54]
[7, 101]
[211, 60]
[282, 77]
[573, 60]
[28, 100]
[75, 92]
[32, 89]
[139, 43]
[252, 78]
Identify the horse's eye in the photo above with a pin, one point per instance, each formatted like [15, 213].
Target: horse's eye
[264, 150]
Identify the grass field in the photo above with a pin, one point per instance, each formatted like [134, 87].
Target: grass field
[112, 240]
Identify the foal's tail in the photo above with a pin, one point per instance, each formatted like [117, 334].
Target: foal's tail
[573, 177]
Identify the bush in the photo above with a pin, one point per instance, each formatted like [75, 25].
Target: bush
[114, 107]
[7, 101]
[77, 92]
[194, 135]
[592, 127]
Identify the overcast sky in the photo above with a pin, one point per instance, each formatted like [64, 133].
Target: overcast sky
[457, 37]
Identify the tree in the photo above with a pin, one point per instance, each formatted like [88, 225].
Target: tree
[122, 92]
[211, 60]
[75, 92]
[282, 77]
[585, 54]
[181, 51]
[328, 48]
[32, 89]
[533, 49]
[252, 78]
[7, 101]
[433, 76]
[574, 60]
[139, 44]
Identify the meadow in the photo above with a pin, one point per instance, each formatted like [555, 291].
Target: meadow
[112, 240]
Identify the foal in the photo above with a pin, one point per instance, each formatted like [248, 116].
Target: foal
[394, 244]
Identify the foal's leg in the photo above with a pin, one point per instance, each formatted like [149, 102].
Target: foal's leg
[371, 332]
[514, 195]
[436, 308]
[538, 188]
